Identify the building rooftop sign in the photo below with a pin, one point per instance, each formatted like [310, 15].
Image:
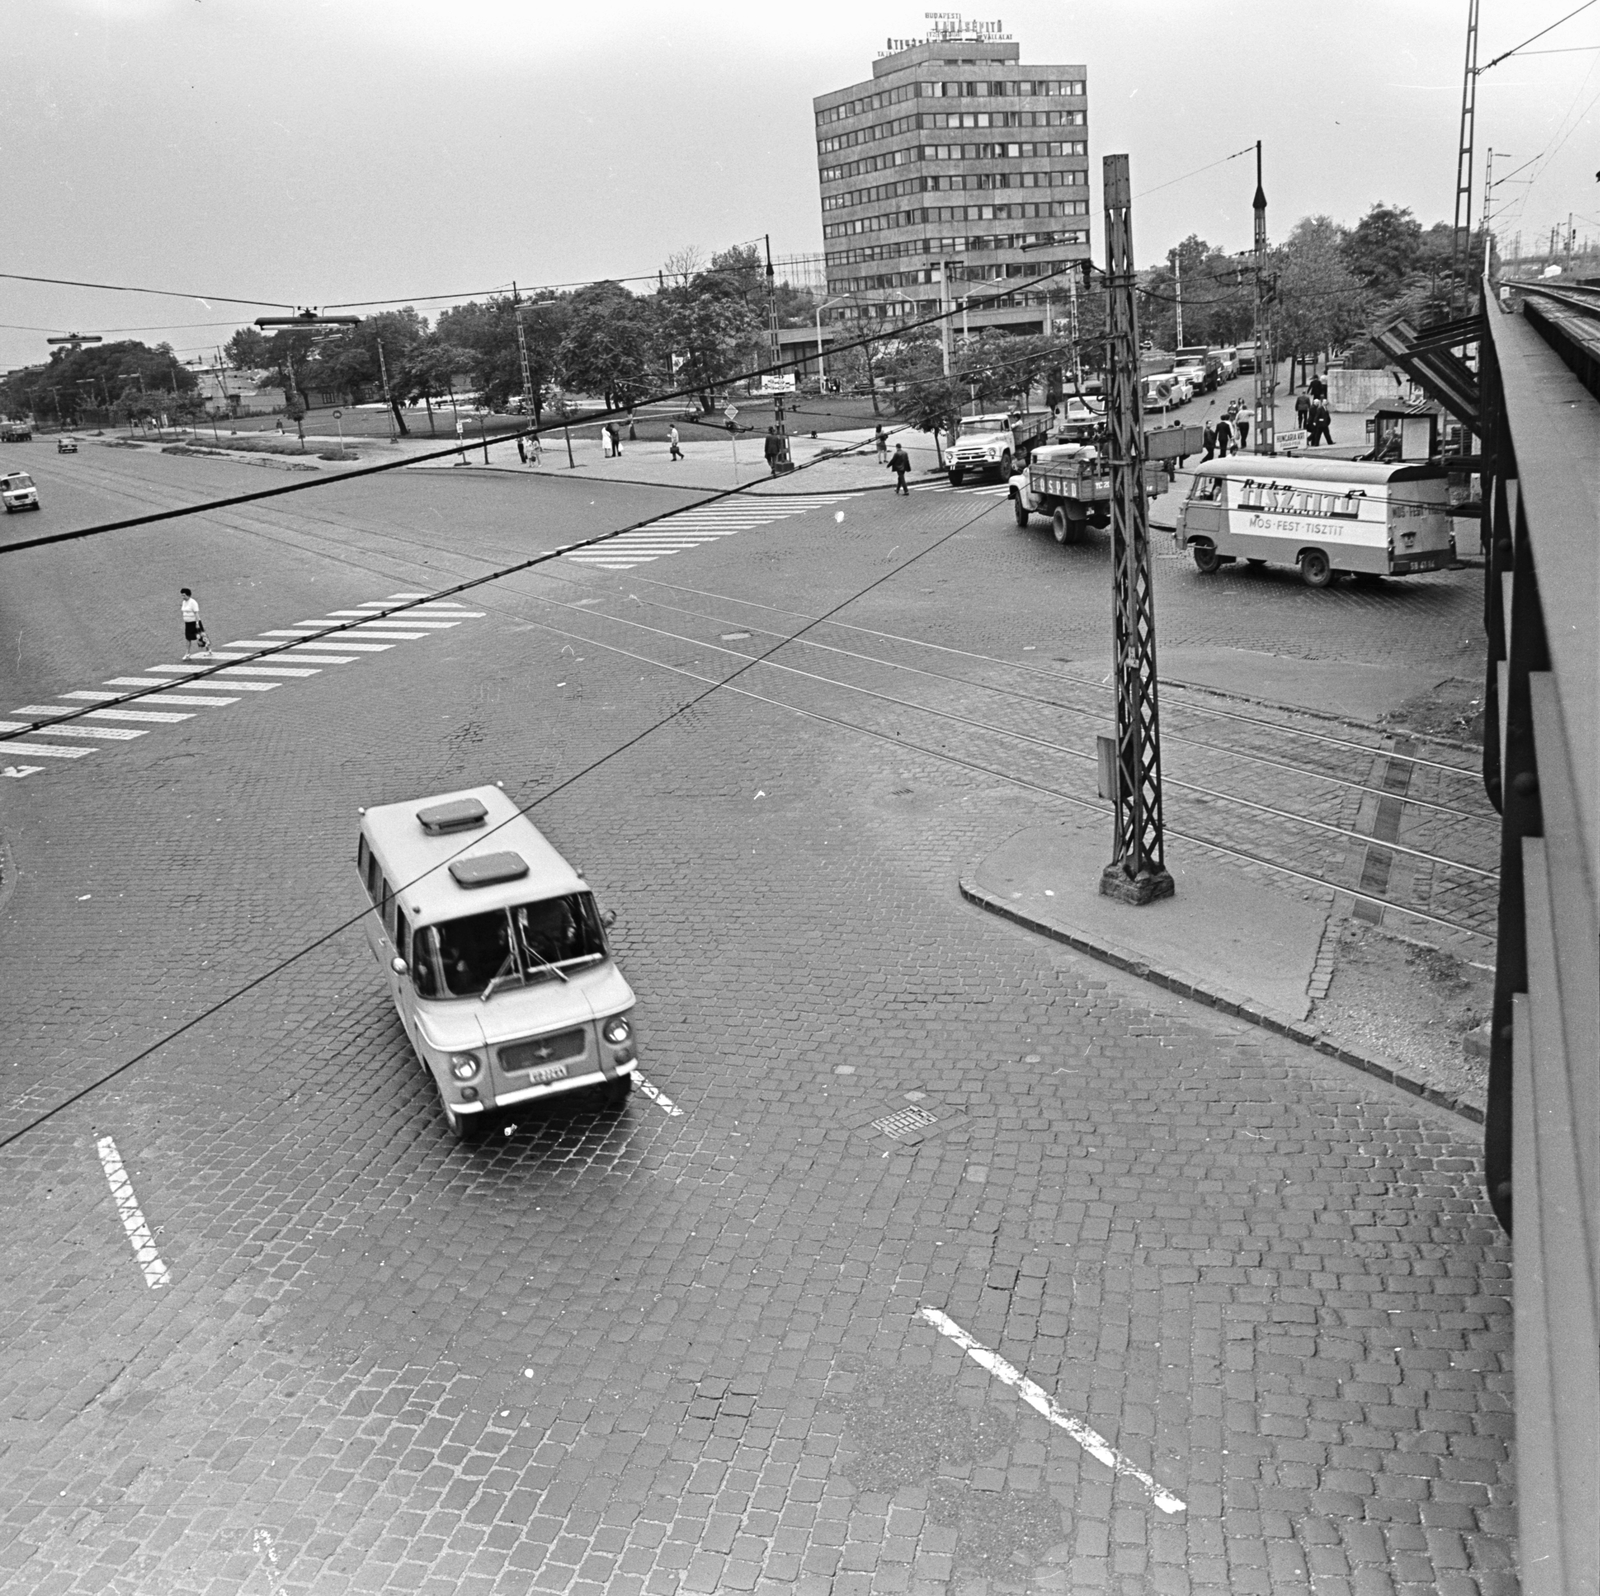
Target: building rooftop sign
[950, 27]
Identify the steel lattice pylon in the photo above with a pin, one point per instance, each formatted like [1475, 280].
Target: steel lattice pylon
[1137, 872]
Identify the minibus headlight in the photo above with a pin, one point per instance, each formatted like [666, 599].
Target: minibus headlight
[617, 1030]
[464, 1065]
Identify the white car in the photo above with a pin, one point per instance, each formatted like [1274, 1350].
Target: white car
[1192, 377]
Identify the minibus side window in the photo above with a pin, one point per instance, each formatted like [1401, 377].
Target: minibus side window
[383, 900]
[402, 932]
[1207, 488]
[361, 858]
[372, 876]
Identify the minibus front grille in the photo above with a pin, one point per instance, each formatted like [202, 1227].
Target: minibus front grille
[543, 1050]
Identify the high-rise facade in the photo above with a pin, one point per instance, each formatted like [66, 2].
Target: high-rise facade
[955, 174]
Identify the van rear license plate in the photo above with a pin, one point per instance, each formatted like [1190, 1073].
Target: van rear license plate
[550, 1072]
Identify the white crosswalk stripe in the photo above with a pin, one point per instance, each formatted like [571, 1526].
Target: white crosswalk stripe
[225, 684]
[693, 529]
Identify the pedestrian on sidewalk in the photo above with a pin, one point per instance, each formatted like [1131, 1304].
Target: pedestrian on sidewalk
[673, 451]
[880, 440]
[1319, 389]
[1242, 421]
[194, 632]
[1224, 437]
[1321, 429]
[522, 450]
[615, 434]
[900, 463]
[633, 436]
[1209, 438]
[1302, 409]
[773, 448]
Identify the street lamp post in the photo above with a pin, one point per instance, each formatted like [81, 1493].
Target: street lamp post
[822, 375]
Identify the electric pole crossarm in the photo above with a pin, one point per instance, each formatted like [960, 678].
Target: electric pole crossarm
[1137, 872]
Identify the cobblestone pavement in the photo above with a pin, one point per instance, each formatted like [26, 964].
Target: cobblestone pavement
[634, 1351]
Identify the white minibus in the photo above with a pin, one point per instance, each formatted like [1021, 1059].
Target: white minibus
[495, 954]
[1325, 516]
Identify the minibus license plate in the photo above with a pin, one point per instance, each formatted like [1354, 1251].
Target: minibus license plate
[549, 1072]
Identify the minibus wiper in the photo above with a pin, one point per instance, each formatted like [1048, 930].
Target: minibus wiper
[553, 969]
[510, 967]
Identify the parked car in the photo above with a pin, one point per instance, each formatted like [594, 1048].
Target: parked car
[66, 445]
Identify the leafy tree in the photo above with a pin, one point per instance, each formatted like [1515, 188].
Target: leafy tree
[609, 345]
[1383, 248]
[247, 349]
[93, 377]
[1321, 303]
[708, 327]
[923, 396]
[1218, 300]
[998, 366]
[429, 371]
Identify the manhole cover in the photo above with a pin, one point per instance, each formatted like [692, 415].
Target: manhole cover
[904, 1121]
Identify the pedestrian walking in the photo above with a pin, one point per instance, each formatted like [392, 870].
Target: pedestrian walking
[195, 640]
[1224, 438]
[1243, 424]
[900, 463]
[1321, 428]
[616, 438]
[1302, 409]
[633, 436]
[880, 439]
[773, 449]
[605, 443]
[1209, 438]
[673, 451]
[522, 450]
[1319, 389]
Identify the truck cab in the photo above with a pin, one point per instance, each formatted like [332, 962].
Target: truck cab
[993, 444]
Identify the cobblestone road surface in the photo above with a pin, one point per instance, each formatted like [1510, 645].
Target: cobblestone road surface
[643, 1352]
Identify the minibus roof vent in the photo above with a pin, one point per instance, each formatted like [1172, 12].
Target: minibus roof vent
[460, 814]
[485, 869]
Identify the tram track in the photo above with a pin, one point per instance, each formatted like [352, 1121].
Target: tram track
[1295, 830]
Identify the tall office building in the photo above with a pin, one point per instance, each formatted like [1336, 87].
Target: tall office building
[956, 173]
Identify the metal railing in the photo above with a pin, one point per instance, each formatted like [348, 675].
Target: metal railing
[1540, 424]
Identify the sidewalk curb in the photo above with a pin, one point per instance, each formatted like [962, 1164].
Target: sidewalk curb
[1226, 1002]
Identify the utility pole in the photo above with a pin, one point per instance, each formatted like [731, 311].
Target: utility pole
[1266, 384]
[388, 398]
[1137, 872]
[1569, 241]
[1460, 248]
[945, 311]
[777, 360]
[1177, 280]
[1488, 195]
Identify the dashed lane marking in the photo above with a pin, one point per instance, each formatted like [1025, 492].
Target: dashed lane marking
[657, 1096]
[691, 529]
[1043, 1403]
[226, 686]
[156, 1273]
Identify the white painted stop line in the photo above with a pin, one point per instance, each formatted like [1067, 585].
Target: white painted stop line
[156, 1272]
[657, 1096]
[1042, 1402]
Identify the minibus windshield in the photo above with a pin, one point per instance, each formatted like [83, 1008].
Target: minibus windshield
[480, 954]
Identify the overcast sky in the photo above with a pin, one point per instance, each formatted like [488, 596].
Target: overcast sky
[371, 149]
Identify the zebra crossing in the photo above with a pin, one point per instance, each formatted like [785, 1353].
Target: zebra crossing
[100, 730]
[1001, 491]
[692, 528]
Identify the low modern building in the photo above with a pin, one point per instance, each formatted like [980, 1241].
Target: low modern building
[956, 175]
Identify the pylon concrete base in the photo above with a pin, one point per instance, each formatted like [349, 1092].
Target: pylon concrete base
[1145, 887]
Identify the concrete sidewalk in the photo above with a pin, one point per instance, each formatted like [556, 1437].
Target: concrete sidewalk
[1222, 939]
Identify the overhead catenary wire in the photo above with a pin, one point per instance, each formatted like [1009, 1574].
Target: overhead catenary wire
[521, 810]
